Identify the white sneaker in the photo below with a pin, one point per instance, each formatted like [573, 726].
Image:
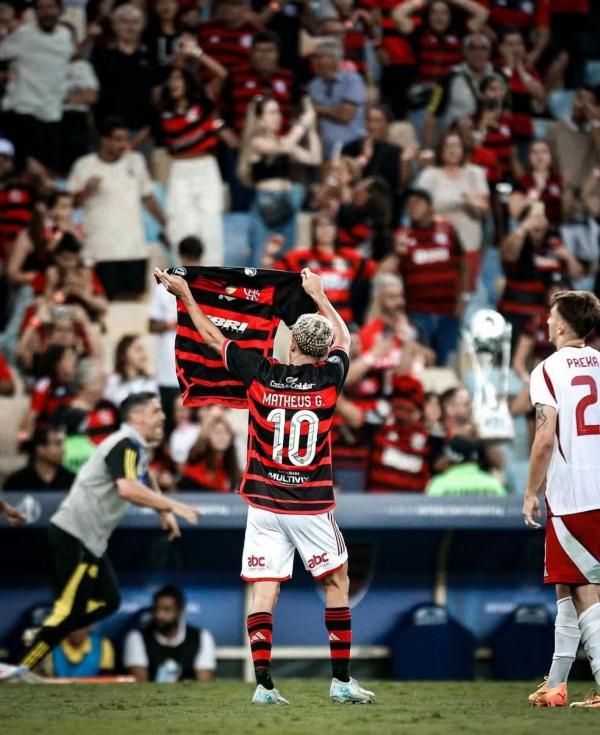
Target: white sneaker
[9, 673]
[267, 696]
[344, 692]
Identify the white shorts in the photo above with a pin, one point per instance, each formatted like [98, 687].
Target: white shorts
[272, 538]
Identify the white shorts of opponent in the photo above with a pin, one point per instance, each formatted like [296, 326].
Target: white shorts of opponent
[272, 538]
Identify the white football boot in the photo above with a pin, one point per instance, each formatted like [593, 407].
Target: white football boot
[11, 673]
[349, 692]
[267, 696]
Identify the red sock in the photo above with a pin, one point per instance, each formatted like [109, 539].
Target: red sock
[260, 633]
[339, 626]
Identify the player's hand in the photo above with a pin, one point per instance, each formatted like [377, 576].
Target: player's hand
[13, 516]
[174, 284]
[531, 508]
[311, 283]
[185, 511]
[168, 522]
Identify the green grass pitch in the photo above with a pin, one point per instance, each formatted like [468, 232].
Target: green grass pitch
[224, 708]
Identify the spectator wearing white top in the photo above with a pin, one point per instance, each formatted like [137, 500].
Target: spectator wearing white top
[111, 185]
[131, 374]
[460, 193]
[163, 322]
[167, 649]
[39, 54]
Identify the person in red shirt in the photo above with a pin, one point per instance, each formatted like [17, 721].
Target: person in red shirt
[527, 92]
[542, 182]
[7, 383]
[401, 452]
[396, 57]
[492, 125]
[531, 18]
[345, 274]
[227, 36]
[430, 258]
[53, 390]
[263, 76]
[532, 255]
[436, 33]
[212, 463]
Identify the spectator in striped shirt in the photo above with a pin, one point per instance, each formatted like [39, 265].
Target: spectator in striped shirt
[53, 390]
[400, 459]
[527, 92]
[431, 261]
[227, 36]
[190, 128]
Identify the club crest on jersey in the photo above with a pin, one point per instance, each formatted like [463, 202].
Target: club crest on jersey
[250, 271]
[252, 294]
[179, 271]
[334, 358]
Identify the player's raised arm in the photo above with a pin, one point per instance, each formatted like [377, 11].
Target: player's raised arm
[541, 453]
[179, 288]
[311, 283]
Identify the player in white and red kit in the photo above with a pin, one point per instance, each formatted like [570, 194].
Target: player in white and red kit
[288, 478]
[566, 458]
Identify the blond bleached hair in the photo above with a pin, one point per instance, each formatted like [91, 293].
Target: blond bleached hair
[313, 334]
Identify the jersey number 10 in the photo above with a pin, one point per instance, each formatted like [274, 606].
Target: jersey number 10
[584, 429]
[277, 417]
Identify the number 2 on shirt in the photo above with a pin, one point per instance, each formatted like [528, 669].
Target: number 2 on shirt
[584, 429]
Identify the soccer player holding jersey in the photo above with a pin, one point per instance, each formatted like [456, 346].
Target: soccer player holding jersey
[565, 457]
[288, 480]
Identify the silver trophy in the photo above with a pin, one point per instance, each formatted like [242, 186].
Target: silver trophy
[487, 344]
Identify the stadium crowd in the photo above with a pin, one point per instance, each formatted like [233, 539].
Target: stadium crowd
[427, 159]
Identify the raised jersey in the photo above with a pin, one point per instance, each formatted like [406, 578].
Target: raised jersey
[247, 305]
[569, 381]
[289, 445]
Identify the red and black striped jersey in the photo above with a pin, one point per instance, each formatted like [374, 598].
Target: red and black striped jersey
[499, 140]
[522, 14]
[354, 228]
[244, 84]
[431, 267]
[551, 195]
[16, 207]
[437, 54]
[102, 421]
[192, 133]
[520, 116]
[339, 271]
[247, 305]
[229, 46]
[400, 459]
[48, 397]
[393, 41]
[289, 432]
[528, 278]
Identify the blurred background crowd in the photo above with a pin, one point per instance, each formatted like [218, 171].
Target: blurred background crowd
[427, 159]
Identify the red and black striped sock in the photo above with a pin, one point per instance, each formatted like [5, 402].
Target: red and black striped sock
[339, 626]
[260, 633]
